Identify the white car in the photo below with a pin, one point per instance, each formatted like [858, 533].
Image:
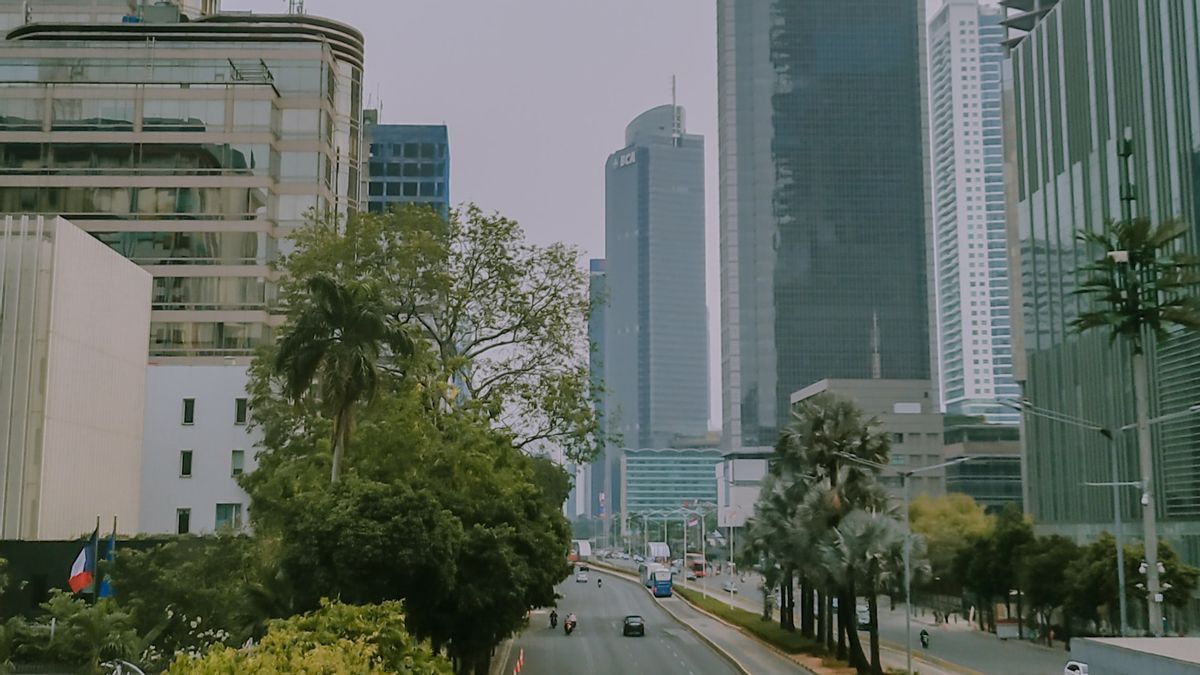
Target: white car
[581, 577]
[729, 587]
[1075, 668]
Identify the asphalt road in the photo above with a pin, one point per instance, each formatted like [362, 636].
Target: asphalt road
[597, 646]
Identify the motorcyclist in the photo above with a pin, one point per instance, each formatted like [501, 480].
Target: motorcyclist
[599, 582]
[925, 638]
[553, 618]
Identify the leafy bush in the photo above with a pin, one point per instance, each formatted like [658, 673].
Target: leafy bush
[83, 636]
[335, 639]
[768, 631]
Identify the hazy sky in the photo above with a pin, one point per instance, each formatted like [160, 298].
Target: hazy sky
[536, 94]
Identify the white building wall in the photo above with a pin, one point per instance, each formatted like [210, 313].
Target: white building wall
[95, 388]
[212, 438]
[74, 329]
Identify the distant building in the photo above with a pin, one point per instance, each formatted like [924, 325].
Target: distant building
[992, 477]
[655, 323]
[602, 481]
[407, 164]
[72, 381]
[970, 260]
[658, 479]
[823, 229]
[907, 412]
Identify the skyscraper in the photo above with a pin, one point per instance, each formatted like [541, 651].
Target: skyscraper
[823, 201]
[970, 281]
[598, 476]
[655, 355]
[1087, 73]
[408, 164]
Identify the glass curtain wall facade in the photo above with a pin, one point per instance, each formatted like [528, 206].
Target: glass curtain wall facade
[191, 148]
[602, 475]
[823, 201]
[974, 332]
[1089, 70]
[408, 164]
[656, 335]
[655, 480]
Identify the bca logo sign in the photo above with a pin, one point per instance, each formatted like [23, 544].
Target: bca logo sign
[625, 159]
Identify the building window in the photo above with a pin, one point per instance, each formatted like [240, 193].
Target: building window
[183, 521]
[185, 464]
[240, 407]
[375, 189]
[189, 411]
[410, 189]
[897, 438]
[899, 460]
[229, 516]
[393, 189]
[237, 462]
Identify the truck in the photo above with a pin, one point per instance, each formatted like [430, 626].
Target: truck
[658, 552]
[1134, 656]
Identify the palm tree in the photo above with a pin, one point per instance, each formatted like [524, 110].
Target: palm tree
[335, 339]
[860, 553]
[1144, 284]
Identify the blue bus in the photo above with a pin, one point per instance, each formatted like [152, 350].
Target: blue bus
[662, 582]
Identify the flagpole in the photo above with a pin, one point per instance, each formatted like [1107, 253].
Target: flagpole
[96, 562]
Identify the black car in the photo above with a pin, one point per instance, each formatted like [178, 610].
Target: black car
[634, 625]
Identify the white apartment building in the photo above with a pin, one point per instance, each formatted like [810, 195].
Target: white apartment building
[196, 446]
[974, 334]
[74, 321]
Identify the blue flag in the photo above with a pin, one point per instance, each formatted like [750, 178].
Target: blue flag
[106, 590]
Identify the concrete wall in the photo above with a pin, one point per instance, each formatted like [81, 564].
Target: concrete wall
[74, 327]
[211, 437]
[95, 387]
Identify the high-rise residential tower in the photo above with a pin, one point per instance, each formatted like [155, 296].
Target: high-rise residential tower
[823, 201]
[970, 264]
[1087, 74]
[408, 164]
[655, 354]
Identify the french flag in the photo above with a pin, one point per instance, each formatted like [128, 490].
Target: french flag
[83, 570]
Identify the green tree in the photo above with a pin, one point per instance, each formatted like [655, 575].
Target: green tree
[190, 591]
[1044, 577]
[1144, 284]
[947, 524]
[335, 336]
[504, 320]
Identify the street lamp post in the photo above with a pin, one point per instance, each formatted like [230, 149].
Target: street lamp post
[904, 477]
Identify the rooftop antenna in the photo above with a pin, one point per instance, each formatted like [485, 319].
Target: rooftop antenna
[295, 6]
[876, 365]
[676, 118]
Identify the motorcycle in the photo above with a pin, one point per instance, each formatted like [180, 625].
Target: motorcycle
[553, 620]
[599, 583]
[924, 640]
[568, 626]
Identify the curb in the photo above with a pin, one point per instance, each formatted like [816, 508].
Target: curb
[637, 580]
[500, 660]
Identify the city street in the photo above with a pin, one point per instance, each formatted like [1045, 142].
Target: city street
[597, 645]
[955, 643]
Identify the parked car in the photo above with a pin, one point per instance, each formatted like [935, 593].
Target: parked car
[633, 625]
[729, 587]
[690, 575]
[581, 577]
[638, 559]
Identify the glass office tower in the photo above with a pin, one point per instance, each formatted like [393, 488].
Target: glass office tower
[1086, 71]
[192, 147]
[408, 164]
[823, 201]
[655, 330]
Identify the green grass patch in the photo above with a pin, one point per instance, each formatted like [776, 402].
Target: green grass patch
[767, 631]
